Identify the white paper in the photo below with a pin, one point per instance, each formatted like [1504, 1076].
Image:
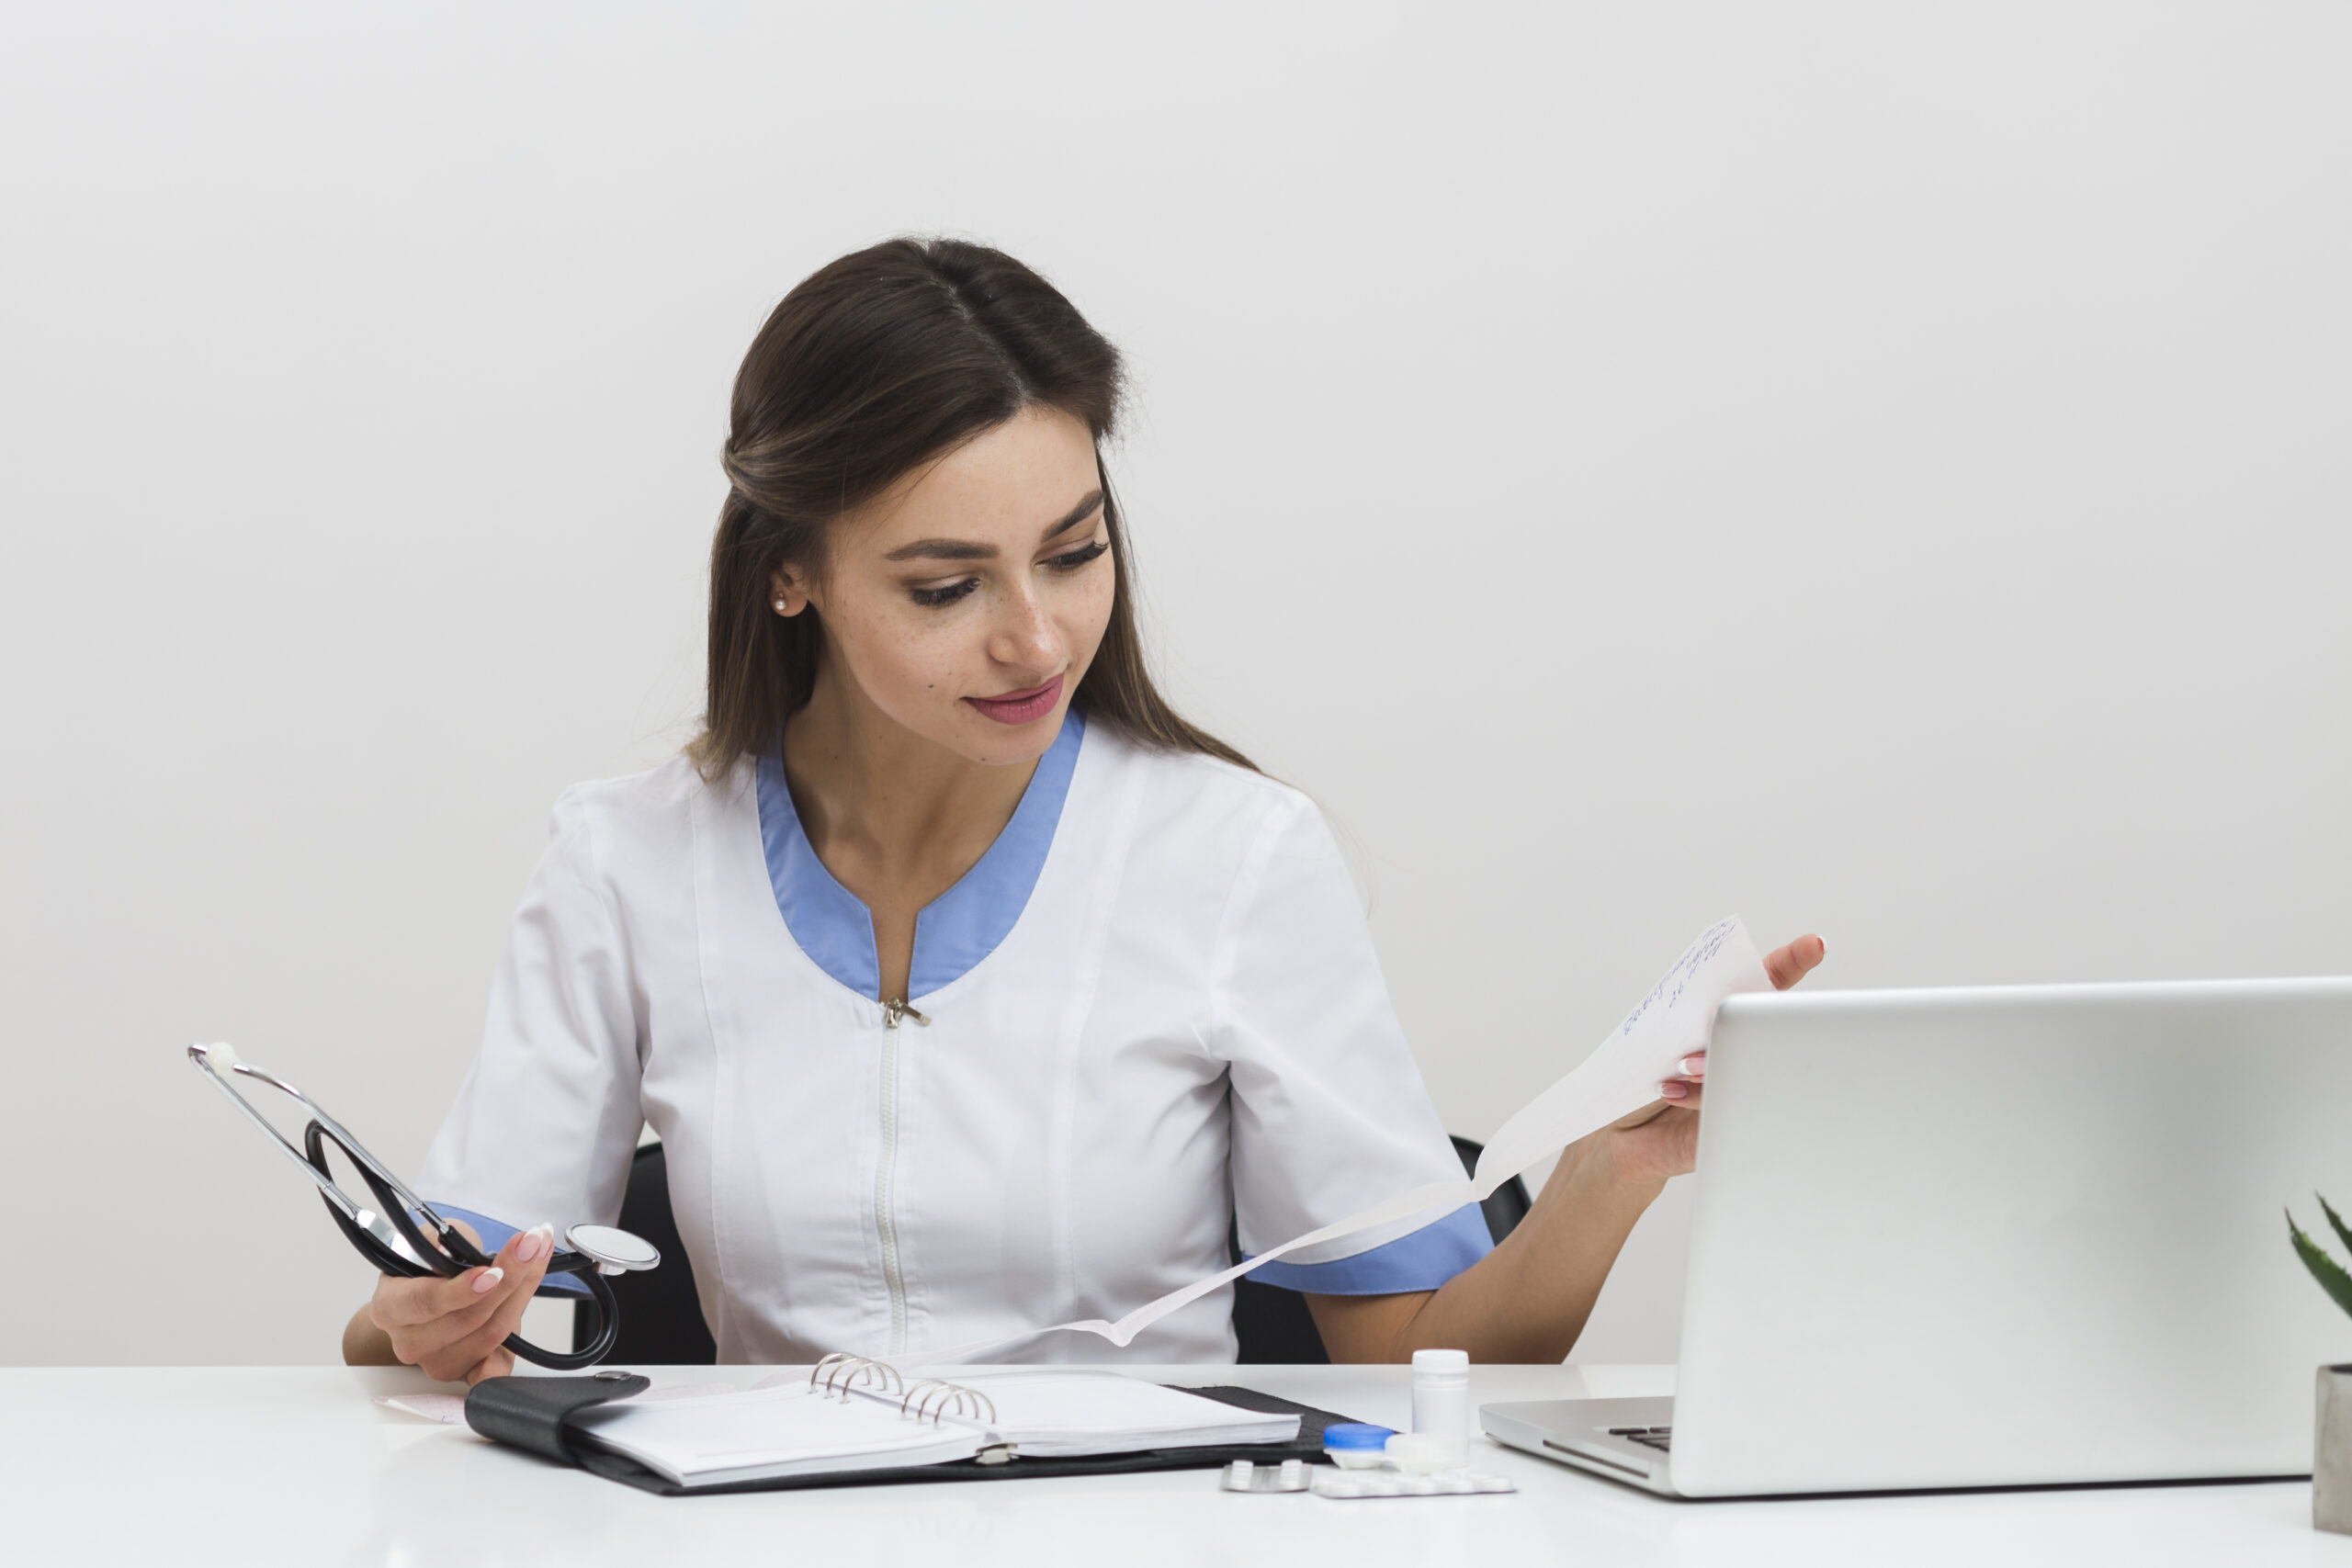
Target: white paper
[781, 1431]
[1054, 1410]
[449, 1409]
[1622, 1075]
[1619, 1079]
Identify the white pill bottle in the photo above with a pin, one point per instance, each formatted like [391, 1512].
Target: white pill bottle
[1441, 1399]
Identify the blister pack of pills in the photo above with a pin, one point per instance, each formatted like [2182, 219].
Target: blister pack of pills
[1288, 1476]
[1352, 1483]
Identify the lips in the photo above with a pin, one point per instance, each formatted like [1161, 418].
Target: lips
[1021, 707]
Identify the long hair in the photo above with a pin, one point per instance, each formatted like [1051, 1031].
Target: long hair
[872, 365]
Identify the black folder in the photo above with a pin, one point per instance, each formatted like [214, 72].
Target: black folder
[535, 1413]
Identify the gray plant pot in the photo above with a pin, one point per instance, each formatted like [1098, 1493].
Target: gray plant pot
[2332, 1452]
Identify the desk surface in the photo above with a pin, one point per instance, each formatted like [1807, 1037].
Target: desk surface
[286, 1464]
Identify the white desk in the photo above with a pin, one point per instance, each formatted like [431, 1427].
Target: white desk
[266, 1465]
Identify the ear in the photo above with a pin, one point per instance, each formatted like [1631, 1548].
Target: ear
[788, 591]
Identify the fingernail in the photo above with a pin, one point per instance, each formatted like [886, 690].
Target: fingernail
[538, 1242]
[487, 1280]
[1673, 1089]
[1692, 1066]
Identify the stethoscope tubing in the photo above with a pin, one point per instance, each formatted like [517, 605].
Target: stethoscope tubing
[453, 1254]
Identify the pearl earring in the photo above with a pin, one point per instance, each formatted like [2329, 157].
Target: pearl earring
[780, 607]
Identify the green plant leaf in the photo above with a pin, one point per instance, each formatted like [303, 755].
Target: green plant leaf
[2325, 1269]
[2335, 1220]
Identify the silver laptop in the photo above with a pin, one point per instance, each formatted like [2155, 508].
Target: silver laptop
[2013, 1236]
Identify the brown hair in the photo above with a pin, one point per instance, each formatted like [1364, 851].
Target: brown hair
[874, 364]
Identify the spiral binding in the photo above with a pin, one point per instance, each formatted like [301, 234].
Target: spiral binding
[936, 1397]
[931, 1399]
[842, 1371]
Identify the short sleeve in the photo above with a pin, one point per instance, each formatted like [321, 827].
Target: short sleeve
[1329, 1111]
[547, 1118]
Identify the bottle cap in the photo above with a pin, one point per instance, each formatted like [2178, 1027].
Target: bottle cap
[1356, 1434]
[1441, 1360]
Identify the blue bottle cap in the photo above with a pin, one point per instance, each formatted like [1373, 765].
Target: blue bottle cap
[1357, 1435]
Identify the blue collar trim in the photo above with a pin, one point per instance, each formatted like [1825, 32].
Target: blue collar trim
[954, 930]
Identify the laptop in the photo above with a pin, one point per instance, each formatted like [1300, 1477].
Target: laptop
[2012, 1237]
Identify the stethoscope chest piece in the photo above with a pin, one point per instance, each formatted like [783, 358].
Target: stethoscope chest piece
[613, 1251]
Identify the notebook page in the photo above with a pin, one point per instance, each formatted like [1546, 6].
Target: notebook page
[1066, 1412]
[770, 1432]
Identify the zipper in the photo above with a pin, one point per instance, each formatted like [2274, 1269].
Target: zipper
[883, 1223]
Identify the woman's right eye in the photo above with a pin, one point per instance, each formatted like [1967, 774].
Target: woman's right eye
[947, 595]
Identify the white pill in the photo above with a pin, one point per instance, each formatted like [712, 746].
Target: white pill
[1419, 1453]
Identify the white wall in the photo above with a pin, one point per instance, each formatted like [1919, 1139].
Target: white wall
[1879, 468]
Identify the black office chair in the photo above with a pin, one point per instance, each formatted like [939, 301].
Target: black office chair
[662, 1322]
[662, 1314]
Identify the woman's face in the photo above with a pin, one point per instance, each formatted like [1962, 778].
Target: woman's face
[965, 601]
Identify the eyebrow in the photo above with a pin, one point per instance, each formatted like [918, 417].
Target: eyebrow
[967, 549]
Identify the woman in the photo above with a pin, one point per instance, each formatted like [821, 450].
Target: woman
[969, 987]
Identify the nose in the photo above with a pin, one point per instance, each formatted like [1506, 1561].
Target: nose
[1023, 637]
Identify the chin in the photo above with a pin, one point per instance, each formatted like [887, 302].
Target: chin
[986, 741]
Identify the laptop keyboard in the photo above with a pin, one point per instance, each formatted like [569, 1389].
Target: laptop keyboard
[1659, 1437]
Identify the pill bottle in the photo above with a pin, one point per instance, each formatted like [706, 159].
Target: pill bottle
[1441, 1398]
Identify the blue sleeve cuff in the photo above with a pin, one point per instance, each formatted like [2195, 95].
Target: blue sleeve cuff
[1422, 1260]
[495, 1234]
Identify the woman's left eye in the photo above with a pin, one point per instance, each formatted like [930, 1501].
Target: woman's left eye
[1078, 558]
[934, 597]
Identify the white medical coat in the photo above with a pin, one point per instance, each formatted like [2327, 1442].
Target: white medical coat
[1154, 1011]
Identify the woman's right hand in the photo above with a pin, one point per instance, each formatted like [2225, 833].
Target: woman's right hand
[1661, 1140]
[455, 1330]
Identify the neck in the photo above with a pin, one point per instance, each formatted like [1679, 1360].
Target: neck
[874, 794]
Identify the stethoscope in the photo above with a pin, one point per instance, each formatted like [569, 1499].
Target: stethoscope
[387, 1235]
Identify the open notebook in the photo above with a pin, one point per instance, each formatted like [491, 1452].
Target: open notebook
[805, 1429]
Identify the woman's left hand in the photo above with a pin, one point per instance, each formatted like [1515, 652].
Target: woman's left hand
[1662, 1140]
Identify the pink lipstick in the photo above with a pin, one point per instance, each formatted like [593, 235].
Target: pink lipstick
[1021, 707]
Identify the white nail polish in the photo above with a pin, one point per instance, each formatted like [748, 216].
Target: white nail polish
[487, 1280]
